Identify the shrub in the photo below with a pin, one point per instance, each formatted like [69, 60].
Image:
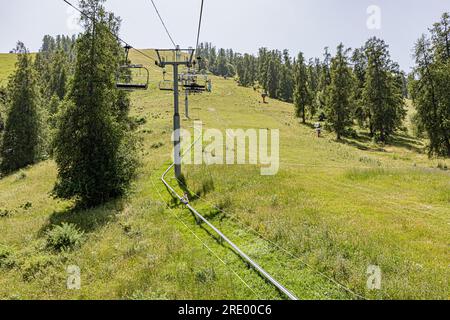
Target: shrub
[205, 275]
[207, 185]
[21, 175]
[442, 166]
[36, 266]
[6, 258]
[4, 213]
[26, 206]
[224, 203]
[140, 121]
[157, 145]
[65, 237]
[370, 161]
[274, 202]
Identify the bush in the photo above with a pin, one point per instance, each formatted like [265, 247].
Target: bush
[21, 175]
[140, 121]
[157, 145]
[4, 213]
[417, 126]
[64, 238]
[205, 275]
[6, 258]
[36, 266]
[26, 206]
[207, 186]
[370, 161]
[224, 203]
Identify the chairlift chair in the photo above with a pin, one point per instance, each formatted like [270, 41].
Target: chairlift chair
[166, 85]
[132, 76]
[193, 84]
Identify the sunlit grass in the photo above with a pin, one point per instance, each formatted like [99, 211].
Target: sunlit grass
[338, 207]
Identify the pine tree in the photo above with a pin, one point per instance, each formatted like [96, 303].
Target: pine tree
[58, 74]
[359, 70]
[313, 81]
[93, 151]
[21, 141]
[53, 65]
[263, 61]
[324, 82]
[382, 93]
[302, 96]
[222, 64]
[339, 104]
[286, 86]
[2, 110]
[272, 78]
[431, 90]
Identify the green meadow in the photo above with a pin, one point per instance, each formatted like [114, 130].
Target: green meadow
[333, 210]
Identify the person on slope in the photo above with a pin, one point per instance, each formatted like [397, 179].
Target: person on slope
[318, 127]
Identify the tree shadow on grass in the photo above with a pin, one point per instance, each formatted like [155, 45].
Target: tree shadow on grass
[87, 220]
[407, 142]
[363, 141]
[360, 146]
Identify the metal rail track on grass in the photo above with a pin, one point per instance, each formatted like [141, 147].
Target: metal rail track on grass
[244, 256]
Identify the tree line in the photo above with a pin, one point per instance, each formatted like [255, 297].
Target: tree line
[64, 104]
[430, 86]
[361, 87]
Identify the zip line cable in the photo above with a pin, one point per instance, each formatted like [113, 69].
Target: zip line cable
[164, 25]
[115, 35]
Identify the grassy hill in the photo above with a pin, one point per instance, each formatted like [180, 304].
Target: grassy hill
[333, 210]
[7, 62]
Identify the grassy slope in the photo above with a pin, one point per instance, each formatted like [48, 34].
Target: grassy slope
[7, 62]
[338, 207]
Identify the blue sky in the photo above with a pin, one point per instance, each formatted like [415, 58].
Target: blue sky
[244, 25]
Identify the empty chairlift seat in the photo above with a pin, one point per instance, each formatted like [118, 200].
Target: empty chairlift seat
[166, 85]
[132, 77]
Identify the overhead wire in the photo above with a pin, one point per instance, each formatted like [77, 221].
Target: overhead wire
[199, 25]
[164, 25]
[115, 35]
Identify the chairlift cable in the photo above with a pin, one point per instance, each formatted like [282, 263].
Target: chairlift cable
[164, 25]
[199, 25]
[115, 35]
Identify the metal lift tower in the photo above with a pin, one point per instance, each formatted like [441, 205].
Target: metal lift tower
[175, 58]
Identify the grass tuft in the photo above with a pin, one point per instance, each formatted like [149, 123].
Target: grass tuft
[64, 238]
